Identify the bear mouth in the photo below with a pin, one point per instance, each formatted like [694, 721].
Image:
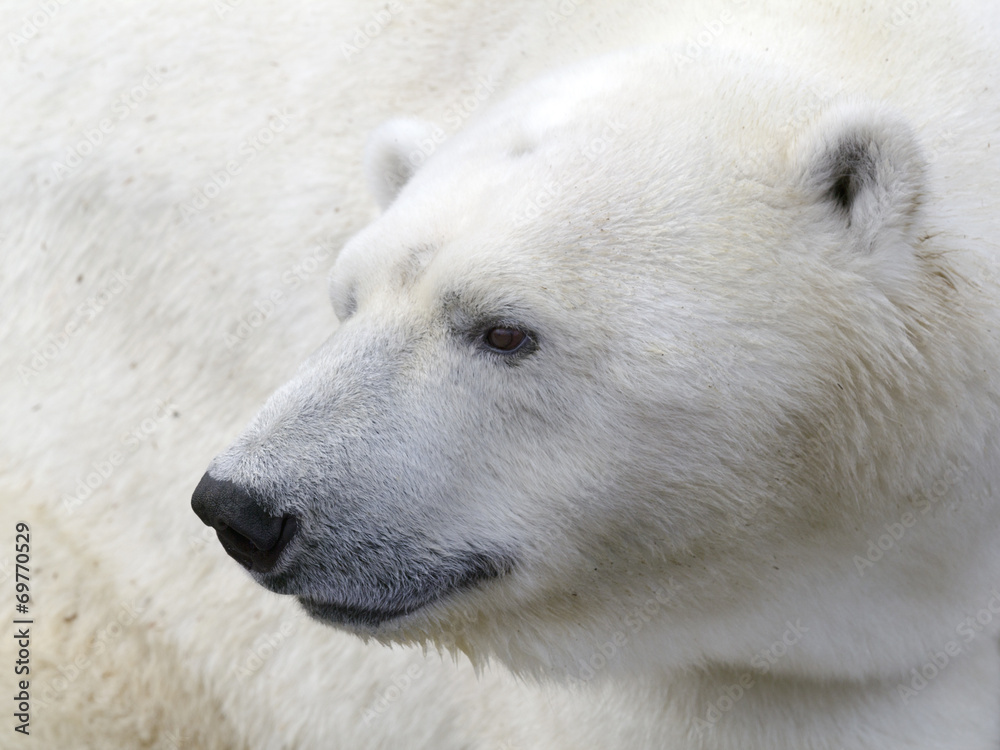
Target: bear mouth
[464, 573]
[365, 618]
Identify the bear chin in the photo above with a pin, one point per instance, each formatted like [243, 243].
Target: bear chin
[459, 574]
[350, 616]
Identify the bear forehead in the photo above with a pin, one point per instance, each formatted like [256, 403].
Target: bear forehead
[629, 161]
[548, 231]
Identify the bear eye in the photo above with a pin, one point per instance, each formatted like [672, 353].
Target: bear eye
[506, 339]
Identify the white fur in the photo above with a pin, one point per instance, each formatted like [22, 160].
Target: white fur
[739, 385]
[393, 155]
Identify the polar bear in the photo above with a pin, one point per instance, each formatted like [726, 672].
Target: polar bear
[161, 283]
[666, 372]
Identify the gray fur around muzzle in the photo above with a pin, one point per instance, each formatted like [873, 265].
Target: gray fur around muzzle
[325, 536]
[259, 541]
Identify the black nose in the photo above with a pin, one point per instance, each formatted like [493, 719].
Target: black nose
[250, 536]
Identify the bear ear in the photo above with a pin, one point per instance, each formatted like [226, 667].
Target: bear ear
[863, 164]
[393, 154]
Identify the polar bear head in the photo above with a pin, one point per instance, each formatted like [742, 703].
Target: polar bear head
[642, 357]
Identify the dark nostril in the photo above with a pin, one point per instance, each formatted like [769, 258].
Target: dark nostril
[247, 533]
[252, 557]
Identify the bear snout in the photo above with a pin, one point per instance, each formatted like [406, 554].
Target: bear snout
[248, 534]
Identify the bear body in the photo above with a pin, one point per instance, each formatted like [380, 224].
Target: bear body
[695, 335]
